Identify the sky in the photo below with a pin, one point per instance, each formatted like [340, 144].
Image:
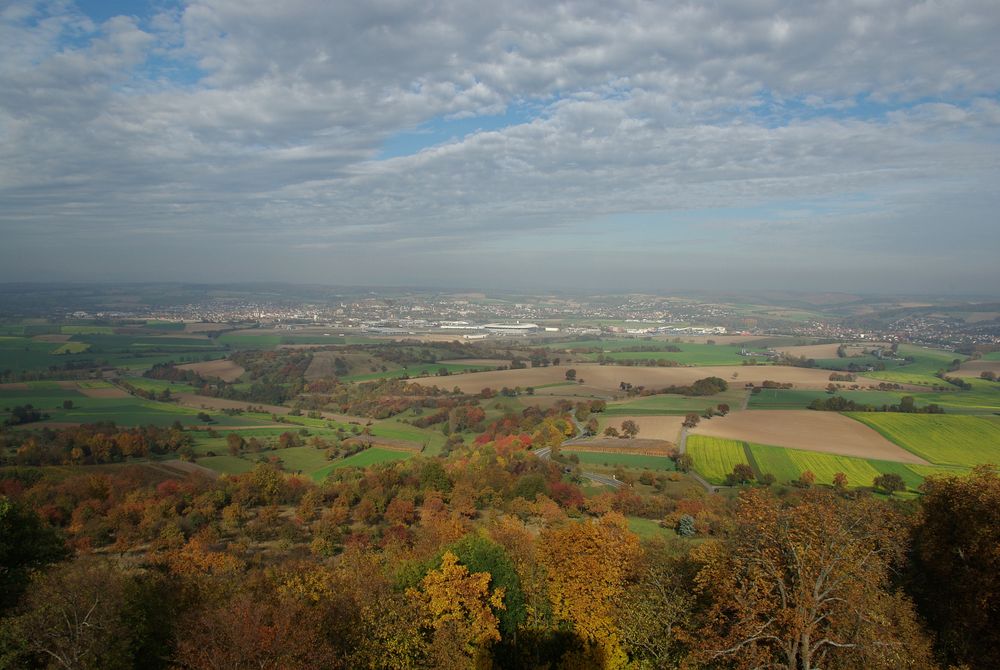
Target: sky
[650, 146]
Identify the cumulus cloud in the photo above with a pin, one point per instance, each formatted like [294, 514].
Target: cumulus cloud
[262, 123]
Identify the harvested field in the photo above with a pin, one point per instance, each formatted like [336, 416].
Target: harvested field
[386, 443]
[223, 369]
[204, 327]
[638, 445]
[606, 378]
[811, 350]
[107, 392]
[804, 429]
[14, 386]
[205, 402]
[51, 338]
[974, 368]
[662, 427]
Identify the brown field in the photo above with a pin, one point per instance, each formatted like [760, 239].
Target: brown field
[615, 445]
[973, 368]
[205, 402]
[605, 379]
[484, 362]
[804, 429]
[391, 444]
[662, 427]
[204, 327]
[112, 392]
[52, 338]
[14, 386]
[223, 369]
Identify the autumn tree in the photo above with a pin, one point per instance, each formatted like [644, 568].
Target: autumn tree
[263, 631]
[840, 481]
[889, 482]
[656, 606]
[691, 420]
[74, 616]
[630, 428]
[460, 606]
[808, 587]
[586, 570]
[957, 565]
[742, 474]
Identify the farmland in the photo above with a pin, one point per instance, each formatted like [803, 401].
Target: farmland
[628, 461]
[714, 458]
[805, 429]
[942, 440]
[689, 354]
[675, 404]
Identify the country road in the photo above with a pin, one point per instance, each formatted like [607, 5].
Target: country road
[546, 453]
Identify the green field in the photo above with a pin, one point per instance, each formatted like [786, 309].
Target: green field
[921, 370]
[675, 404]
[430, 370]
[629, 461]
[715, 457]
[227, 465]
[362, 460]
[126, 411]
[136, 352]
[983, 398]
[689, 354]
[942, 440]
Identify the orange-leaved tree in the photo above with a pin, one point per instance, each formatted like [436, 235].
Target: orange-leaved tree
[807, 587]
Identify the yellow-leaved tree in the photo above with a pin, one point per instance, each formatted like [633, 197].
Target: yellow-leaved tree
[460, 608]
[586, 566]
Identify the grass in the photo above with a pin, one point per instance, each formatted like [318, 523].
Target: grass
[787, 465]
[689, 354]
[395, 430]
[715, 457]
[628, 461]
[647, 528]
[962, 441]
[983, 398]
[921, 371]
[227, 465]
[427, 370]
[675, 404]
[362, 460]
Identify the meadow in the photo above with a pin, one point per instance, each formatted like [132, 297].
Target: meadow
[942, 440]
[689, 354]
[921, 371]
[675, 404]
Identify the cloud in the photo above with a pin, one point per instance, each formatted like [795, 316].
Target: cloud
[262, 122]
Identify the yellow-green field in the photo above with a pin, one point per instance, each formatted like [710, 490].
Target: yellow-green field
[715, 457]
[942, 440]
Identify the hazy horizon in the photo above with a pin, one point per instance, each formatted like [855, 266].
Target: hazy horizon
[613, 146]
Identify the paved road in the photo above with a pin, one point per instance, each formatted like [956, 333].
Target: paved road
[546, 453]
